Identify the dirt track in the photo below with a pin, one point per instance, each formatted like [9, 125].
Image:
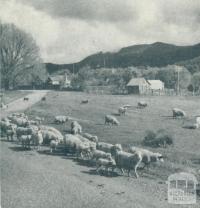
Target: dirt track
[32, 180]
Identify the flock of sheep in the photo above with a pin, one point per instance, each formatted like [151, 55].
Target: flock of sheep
[83, 145]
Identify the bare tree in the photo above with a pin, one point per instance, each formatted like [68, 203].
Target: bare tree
[19, 54]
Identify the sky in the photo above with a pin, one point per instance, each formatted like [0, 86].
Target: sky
[67, 31]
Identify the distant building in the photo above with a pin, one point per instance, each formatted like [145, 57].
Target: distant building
[58, 82]
[156, 85]
[138, 86]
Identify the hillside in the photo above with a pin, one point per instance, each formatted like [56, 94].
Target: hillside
[155, 55]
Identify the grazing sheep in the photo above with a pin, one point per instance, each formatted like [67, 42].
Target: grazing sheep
[90, 137]
[103, 146]
[122, 110]
[52, 131]
[142, 104]
[111, 120]
[73, 144]
[96, 154]
[147, 156]
[26, 141]
[76, 128]
[126, 160]
[107, 147]
[107, 163]
[26, 99]
[53, 145]
[61, 119]
[23, 122]
[178, 113]
[4, 126]
[37, 139]
[10, 131]
[85, 101]
[23, 131]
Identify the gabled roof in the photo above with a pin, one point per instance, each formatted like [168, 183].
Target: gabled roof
[57, 78]
[155, 82]
[137, 81]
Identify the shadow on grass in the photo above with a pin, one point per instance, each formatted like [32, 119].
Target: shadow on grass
[101, 173]
[20, 149]
[167, 117]
[82, 162]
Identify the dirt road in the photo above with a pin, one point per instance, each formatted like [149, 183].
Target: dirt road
[20, 104]
[30, 179]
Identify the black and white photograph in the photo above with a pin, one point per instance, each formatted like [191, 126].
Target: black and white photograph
[100, 103]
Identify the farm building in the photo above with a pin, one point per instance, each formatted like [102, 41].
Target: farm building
[58, 82]
[138, 86]
[156, 84]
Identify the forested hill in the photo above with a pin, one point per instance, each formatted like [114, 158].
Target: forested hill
[155, 55]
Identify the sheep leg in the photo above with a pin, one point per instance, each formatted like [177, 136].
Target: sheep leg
[136, 166]
[122, 171]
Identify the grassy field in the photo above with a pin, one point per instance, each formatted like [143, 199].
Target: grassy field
[184, 155]
[9, 96]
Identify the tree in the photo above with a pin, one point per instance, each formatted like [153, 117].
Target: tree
[195, 82]
[19, 56]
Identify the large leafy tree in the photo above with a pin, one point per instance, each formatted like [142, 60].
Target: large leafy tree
[19, 56]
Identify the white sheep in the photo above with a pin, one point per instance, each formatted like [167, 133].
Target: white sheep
[52, 131]
[20, 121]
[37, 139]
[73, 144]
[61, 119]
[147, 156]
[122, 110]
[23, 131]
[4, 126]
[10, 131]
[53, 145]
[39, 119]
[106, 147]
[127, 161]
[106, 163]
[26, 140]
[111, 120]
[178, 113]
[76, 128]
[90, 137]
[96, 154]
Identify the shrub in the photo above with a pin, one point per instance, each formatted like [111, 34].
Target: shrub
[161, 138]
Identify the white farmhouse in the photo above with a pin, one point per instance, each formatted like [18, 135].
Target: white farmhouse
[156, 85]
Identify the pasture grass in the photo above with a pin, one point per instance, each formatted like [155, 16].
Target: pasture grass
[11, 95]
[183, 155]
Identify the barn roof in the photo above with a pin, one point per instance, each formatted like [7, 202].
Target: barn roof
[155, 82]
[137, 81]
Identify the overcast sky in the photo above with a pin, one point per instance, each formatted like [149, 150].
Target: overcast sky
[69, 30]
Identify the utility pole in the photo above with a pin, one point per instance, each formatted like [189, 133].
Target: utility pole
[73, 68]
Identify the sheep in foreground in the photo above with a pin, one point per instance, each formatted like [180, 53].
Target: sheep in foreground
[142, 104]
[37, 139]
[90, 137]
[73, 144]
[26, 141]
[10, 131]
[61, 119]
[96, 154]
[178, 113]
[126, 160]
[106, 163]
[147, 156]
[122, 110]
[23, 131]
[107, 147]
[52, 131]
[76, 128]
[53, 145]
[4, 126]
[23, 122]
[111, 120]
